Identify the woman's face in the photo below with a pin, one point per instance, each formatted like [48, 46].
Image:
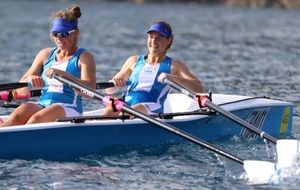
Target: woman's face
[157, 43]
[65, 39]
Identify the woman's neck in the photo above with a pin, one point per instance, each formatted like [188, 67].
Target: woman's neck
[154, 59]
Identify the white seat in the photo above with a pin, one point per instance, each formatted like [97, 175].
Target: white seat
[177, 102]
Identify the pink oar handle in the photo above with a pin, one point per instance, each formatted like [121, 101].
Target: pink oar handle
[203, 100]
[118, 104]
[14, 95]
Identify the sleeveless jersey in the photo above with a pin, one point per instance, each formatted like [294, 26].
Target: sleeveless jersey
[144, 85]
[57, 92]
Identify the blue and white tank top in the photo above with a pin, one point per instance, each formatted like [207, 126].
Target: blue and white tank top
[144, 85]
[57, 92]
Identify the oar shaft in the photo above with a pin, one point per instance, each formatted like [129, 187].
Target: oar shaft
[15, 85]
[37, 92]
[84, 89]
[99, 85]
[181, 133]
[240, 121]
[180, 88]
[220, 110]
[94, 94]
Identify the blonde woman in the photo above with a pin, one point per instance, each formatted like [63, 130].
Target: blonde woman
[66, 59]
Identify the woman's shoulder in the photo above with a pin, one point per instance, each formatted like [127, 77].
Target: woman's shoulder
[85, 54]
[132, 60]
[176, 62]
[134, 57]
[44, 53]
[46, 50]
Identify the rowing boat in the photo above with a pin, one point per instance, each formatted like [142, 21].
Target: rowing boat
[73, 137]
[183, 121]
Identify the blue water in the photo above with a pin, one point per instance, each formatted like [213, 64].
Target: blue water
[243, 51]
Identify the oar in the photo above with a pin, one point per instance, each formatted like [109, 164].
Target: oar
[37, 92]
[284, 157]
[220, 110]
[99, 85]
[121, 106]
[14, 85]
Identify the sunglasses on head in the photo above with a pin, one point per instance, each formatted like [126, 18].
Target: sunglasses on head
[62, 34]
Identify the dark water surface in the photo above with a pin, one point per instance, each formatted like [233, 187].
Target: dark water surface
[243, 51]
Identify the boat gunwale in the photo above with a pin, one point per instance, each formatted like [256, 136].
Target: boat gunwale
[259, 102]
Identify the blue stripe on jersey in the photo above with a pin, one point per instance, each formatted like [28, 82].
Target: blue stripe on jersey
[144, 85]
[57, 92]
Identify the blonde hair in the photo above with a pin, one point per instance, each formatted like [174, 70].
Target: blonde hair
[71, 13]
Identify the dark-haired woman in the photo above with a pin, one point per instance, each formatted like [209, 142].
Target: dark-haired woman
[147, 92]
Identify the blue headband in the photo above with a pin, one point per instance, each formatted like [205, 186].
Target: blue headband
[161, 29]
[63, 25]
